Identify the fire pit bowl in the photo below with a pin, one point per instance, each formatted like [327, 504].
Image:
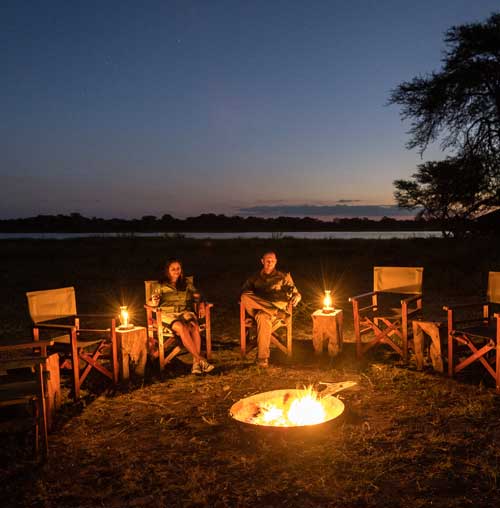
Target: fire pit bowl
[251, 414]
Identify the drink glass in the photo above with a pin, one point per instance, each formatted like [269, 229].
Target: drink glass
[155, 296]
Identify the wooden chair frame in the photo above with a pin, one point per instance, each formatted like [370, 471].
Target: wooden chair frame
[476, 334]
[386, 328]
[32, 392]
[247, 322]
[164, 338]
[75, 338]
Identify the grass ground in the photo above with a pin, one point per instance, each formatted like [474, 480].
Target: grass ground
[406, 437]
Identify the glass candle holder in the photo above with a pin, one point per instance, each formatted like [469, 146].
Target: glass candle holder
[328, 302]
[124, 318]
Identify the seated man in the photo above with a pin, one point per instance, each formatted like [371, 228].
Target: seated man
[265, 297]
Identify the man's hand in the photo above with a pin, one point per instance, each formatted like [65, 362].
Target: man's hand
[295, 299]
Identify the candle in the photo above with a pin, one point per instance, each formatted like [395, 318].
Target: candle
[327, 301]
[124, 317]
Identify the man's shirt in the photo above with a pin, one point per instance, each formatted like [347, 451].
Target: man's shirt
[276, 287]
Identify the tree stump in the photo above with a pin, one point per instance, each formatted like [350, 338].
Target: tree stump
[327, 328]
[432, 329]
[132, 348]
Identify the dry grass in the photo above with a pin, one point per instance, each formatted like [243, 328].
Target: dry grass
[406, 437]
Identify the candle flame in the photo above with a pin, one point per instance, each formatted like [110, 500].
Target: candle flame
[124, 316]
[327, 300]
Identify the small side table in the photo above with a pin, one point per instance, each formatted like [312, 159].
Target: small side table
[432, 329]
[327, 327]
[132, 347]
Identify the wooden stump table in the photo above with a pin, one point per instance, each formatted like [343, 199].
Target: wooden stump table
[132, 347]
[432, 329]
[327, 327]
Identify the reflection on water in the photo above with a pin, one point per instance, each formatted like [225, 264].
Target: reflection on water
[312, 235]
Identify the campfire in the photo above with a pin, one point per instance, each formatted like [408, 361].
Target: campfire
[291, 408]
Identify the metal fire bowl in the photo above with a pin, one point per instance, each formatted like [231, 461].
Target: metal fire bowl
[246, 408]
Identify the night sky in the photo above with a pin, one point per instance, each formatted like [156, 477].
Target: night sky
[127, 108]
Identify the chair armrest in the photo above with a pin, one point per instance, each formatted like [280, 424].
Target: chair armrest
[364, 295]
[496, 315]
[27, 345]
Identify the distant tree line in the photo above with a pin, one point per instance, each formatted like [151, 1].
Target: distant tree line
[77, 223]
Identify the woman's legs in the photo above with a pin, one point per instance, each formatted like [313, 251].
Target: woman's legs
[184, 332]
[195, 335]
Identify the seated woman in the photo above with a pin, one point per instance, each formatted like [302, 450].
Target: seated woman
[176, 295]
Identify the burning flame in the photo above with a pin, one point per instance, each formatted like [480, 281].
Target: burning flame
[327, 300]
[124, 316]
[289, 411]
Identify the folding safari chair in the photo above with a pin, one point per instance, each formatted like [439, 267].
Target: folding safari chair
[23, 383]
[476, 336]
[54, 311]
[396, 297]
[162, 339]
[248, 325]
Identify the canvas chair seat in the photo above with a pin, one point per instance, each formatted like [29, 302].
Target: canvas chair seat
[477, 333]
[479, 342]
[81, 349]
[65, 340]
[20, 391]
[388, 313]
[384, 312]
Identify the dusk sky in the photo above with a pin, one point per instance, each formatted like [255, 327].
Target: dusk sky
[127, 108]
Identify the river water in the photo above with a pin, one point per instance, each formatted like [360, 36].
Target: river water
[312, 235]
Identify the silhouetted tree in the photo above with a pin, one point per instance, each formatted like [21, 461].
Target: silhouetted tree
[460, 104]
[452, 191]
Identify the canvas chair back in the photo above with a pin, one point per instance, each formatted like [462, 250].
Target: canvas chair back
[398, 279]
[494, 287]
[51, 304]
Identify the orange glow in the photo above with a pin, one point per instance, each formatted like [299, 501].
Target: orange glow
[304, 409]
[328, 301]
[124, 316]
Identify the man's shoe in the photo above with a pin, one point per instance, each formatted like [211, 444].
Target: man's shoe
[263, 363]
[206, 367]
[196, 368]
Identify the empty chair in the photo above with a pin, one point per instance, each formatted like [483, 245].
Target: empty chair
[387, 310]
[53, 312]
[474, 332]
[23, 383]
